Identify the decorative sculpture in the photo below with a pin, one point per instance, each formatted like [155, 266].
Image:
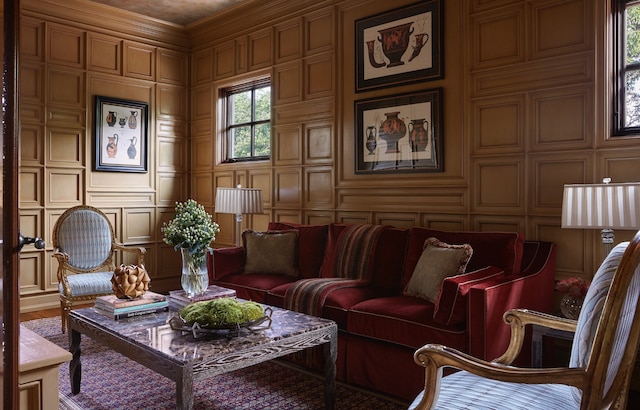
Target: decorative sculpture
[130, 281]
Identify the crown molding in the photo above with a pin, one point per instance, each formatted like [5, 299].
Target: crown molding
[106, 19]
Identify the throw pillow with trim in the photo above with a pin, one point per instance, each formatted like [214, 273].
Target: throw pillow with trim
[438, 261]
[451, 304]
[271, 252]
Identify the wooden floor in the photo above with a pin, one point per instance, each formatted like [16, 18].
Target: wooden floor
[41, 314]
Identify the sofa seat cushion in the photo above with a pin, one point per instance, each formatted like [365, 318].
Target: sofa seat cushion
[275, 296]
[404, 320]
[338, 302]
[312, 242]
[253, 286]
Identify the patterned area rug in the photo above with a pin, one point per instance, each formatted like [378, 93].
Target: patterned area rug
[111, 381]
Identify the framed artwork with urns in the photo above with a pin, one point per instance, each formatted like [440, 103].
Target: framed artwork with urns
[401, 133]
[121, 135]
[400, 46]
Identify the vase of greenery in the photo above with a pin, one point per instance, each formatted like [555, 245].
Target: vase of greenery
[191, 231]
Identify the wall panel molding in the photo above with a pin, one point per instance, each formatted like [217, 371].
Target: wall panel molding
[498, 124]
[549, 112]
[499, 38]
[413, 199]
[559, 27]
[288, 40]
[104, 53]
[498, 186]
[549, 73]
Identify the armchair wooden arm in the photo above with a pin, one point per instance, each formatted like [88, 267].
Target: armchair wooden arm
[435, 357]
[132, 249]
[518, 319]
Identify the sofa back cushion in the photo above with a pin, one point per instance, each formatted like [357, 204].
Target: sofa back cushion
[329, 259]
[501, 249]
[388, 260]
[312, 242]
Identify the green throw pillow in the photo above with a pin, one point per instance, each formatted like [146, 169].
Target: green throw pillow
[273, 252]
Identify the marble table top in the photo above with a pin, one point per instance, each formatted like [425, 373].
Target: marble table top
[154, 331]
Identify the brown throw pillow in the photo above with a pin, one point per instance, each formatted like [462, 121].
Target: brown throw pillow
[438, 261]
[274, 252]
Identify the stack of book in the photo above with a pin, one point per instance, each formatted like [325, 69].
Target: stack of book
[149, 302]
[179, 299]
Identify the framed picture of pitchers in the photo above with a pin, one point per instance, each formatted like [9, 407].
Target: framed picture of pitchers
[399, 46]
[121, 135]
[402, 133]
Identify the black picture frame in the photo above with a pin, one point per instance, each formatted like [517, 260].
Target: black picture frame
[401, 133]
[121, 135]
[400, 46]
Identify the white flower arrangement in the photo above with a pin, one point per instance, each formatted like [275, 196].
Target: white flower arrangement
[192, 228]
[191, 231]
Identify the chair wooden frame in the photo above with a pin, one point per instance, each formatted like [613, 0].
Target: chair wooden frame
[590, 379]
[64, 267]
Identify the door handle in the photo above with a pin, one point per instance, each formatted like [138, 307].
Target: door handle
[24, 240]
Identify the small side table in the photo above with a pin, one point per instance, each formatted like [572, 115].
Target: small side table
[537, 334]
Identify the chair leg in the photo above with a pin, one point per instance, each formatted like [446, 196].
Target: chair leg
[65, 307]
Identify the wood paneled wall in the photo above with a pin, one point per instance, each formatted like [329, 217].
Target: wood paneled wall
[525, 111]
[526, 91]
[71, 52]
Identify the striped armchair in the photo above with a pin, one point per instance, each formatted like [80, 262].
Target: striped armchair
[600, 367]
[84, 246]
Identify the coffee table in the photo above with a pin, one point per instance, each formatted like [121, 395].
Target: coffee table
[150, 341]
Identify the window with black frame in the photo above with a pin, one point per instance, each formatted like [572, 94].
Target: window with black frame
[626, 104]
[248, 121]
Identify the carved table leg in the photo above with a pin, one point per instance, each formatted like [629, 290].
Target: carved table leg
[75, 367]
[184, 390]
[330, 355]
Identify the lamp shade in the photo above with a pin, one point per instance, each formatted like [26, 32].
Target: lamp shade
[238, 201]
[601, 206]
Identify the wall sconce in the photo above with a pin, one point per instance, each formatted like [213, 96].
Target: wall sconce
[238, 201]
[603, 206]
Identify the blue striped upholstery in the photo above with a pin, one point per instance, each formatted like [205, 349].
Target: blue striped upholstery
[85, 284]
[86, 237]
[592, 310]
[464, 390]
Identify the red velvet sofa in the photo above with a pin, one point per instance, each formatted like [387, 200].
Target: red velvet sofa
[379, 326]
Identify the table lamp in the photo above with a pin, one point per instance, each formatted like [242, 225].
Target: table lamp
[603, 206]
[238, 201]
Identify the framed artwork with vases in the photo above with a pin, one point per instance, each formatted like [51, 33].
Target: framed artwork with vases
[121, 132]
[400, 46]
[401, 133]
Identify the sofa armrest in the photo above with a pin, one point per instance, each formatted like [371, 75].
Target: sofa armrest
[225, 261]
[531, 289]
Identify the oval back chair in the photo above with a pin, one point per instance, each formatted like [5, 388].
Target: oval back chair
[84, 246]
[602, 359]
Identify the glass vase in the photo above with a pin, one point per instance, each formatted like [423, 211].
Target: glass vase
[195, 278]
[570, 306]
